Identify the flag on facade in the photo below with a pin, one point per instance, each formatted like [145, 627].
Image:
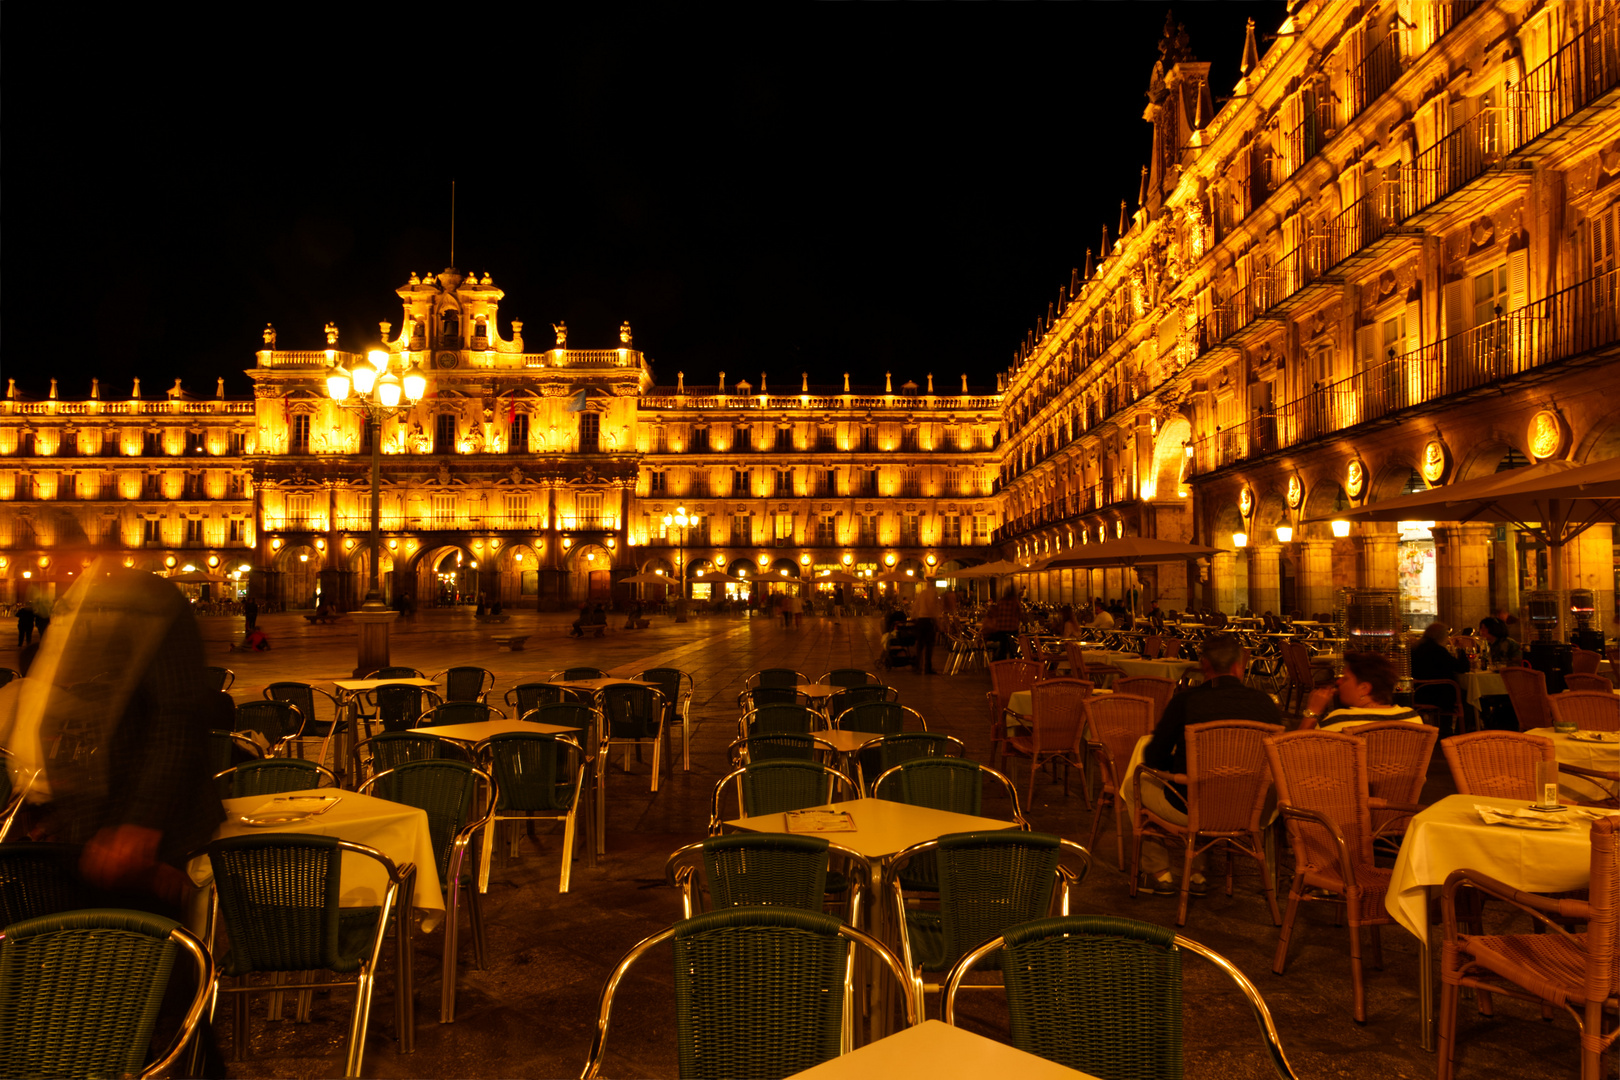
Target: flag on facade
[577, 402]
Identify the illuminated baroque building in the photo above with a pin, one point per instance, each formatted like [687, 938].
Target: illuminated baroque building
[538, 477]
[1386, 262]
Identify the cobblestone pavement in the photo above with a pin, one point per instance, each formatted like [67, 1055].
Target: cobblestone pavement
[532, 1011]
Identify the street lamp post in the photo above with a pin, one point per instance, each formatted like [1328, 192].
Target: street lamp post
[680, 519]
[373, 390]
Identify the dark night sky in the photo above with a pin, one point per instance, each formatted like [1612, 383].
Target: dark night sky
[826, 188]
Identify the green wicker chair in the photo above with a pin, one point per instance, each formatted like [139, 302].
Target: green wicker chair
[574, 714]
[524, 698]
[877, 718]
[988, 881]
[392, 749]
[780, 720]
[761, 870]
[277, 896]
[466, 683]
[772, 787]
[892, 750]
[397, 706]
[219, 678]
[775, 747]
[678, 689]
[363, 701]
[757, 697]
[272, 776]
[1103, 995]
[395, 673]
[228, 748]
[303, 695]
[634, 716]
[80, 991]
[39, 879]
[281, 724]
[945, 783]
[579, 674]
[851, 696]
[848, 676]
[459, 800]
[759, 991]
[540, 778]
[459, 712]
[777, 677]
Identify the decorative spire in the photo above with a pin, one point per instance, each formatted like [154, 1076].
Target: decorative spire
[1088, 264]
[1251, 51]
[1122, 217]
[1074, 280]
[1103, 251]
[1141, 192]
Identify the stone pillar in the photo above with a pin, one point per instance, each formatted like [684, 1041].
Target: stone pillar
[1588, 565]
[1315, 583]
[1375, 562]
[1223, 578]
[1265, 579]
[373, 652]
[1462, 572]
[1505, 559]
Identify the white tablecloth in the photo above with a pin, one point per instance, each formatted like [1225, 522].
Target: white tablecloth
[399, 832]
[1604, 756]
[1478, 684]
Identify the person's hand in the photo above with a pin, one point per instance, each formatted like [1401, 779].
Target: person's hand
[120, 855]
[1319, 700]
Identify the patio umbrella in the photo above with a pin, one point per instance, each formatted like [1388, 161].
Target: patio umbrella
[999, 568]
[197, 577]
[837, 577]
[649, 579]
[1554, 500]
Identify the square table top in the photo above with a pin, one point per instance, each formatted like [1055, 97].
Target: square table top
[357, 685]
[818, 690]
[478, 732]
[883, 828]
[846, 742]
[936, 1049]
[597, 684]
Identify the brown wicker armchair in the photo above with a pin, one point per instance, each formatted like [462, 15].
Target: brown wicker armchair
[1589, 710]
[1580, 972]
[1118, 723]
[1578, 681]
[1007, 677]
[1584, 661]
[1227, 781]
[1398, 756]
[1498, 764]
[1527, 689]
[1159, 691]
[1059, 707]
[1152, 647]
[1322, 789]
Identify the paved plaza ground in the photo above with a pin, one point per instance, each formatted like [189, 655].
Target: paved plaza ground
[532, 1011]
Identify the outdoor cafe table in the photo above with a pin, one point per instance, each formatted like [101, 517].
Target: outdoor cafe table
[400, 832]
[1450, 835]
[943, 1052]
[348, 696]
[1603, 756]
[599, 814]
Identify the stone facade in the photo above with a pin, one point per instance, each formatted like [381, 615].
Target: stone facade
[1387, 262]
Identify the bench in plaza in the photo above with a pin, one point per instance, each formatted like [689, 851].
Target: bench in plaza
[511, 642]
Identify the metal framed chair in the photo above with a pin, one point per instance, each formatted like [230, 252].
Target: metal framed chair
[466, 683]
[780, 720]
[39, 879]
[458, 712]
[1227, 781]
[539, 777]
[851, 696]
[847, 677]
[762, 870]
[877, 718]
[1117, 724]
[280, 722]
[892, 750]
[303, 695]
[223, 678]
[632, 716]
[578, 674]
[760, 696]
[776, 786]
[80, 992]
[524, 698]
[579, 715]
[1588, 709]
[1578, 972]
[987, 882]
[782, 746]
[1322, 791]
[1056, 730]
[396, 706]
[278, 898]
[1103, 994]
[392, 749]
[777, 677]
[759, 991]
[678, 689]
[395, 673]
[228, 748]
[945, 783]
[459, 799]
[272, 776]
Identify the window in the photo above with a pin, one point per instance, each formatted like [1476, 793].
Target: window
[110, 533]
[700, 440]
[236, 486]
[237, 443]
[444, 433]
[238, 531]
[195, 443]
[443, 508]
[517, 434]
[194, 530]
[698, 483]
[981, 528]
[868, 530]
[590, 432]
[910, 532]
[868, 440]
[1490, 295]
[193, 488]
[783, 529]
[742, 529]
[784, 438]
[827, 530]
[655, 482]
[742, 484]
[517, 510]
[830, 482]
[151, 444]
[951, 532]
[660, 440]
[953, 482]
[588, 510]
[784, 482]
[297, 511]
[826, 437]
[299, 437]
[153, 531]
[908, 439]
[153, 488]
[911, 483]
[742, 438]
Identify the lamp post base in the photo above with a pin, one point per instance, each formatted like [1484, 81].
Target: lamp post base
[373, 644]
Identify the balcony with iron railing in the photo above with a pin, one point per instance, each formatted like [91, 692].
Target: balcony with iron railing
[1576, 321]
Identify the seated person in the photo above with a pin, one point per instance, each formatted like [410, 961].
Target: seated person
[1101, 617]
[583, 621]
[1365, 692]
[1433, 660]
[1221, 696]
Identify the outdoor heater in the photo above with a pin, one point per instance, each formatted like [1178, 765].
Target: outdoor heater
[1372, 624]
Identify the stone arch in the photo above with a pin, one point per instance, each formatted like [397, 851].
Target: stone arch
[1269, 512]
[1325, 499]
[1602, 443]
[445, 575]
[1169, 459]
[1389, 480]
[1484, 458]
[298, 567]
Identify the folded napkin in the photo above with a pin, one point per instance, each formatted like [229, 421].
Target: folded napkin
[1540, 819]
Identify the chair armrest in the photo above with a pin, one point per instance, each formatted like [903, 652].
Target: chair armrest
[1164, 778]
[1537, 906]
[1595, 774]
[1347, 868]
[1404, 808]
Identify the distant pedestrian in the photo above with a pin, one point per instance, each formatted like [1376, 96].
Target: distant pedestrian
[25, 626]
[250, 610]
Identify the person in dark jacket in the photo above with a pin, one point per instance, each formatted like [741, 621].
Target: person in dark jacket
[1432, 659]
[25, 625]
[1221, 696]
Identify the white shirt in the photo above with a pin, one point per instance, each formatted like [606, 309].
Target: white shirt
[1103, 621]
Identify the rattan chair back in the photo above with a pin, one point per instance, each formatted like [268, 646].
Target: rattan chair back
[1227, 776]
[774, 787]
[1584, 661]
[225, 749]
[781, 720]
[446, 789]
[852, 696]
[1497, 764]
[1077, 659]
[760, 696]
[398, 705]
[988, 882]
[39, 879]
[1326, 773]
[893, 750]
[303, 695]
[1577, 681]
[272, 776]
[467, 683]
[1158, 690]
[1590, 710]
[878, 717]
[939, 783]
[392, 749]
[785, 746]
[565, 714]
[80, 992]
[1398, 756]
[1118, 721]
[766, 870]
[1527, 689]
[222, 678]
[395, 673]
[1152, 647]
[676, 685]
[1172, 649]
[1008, 677]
